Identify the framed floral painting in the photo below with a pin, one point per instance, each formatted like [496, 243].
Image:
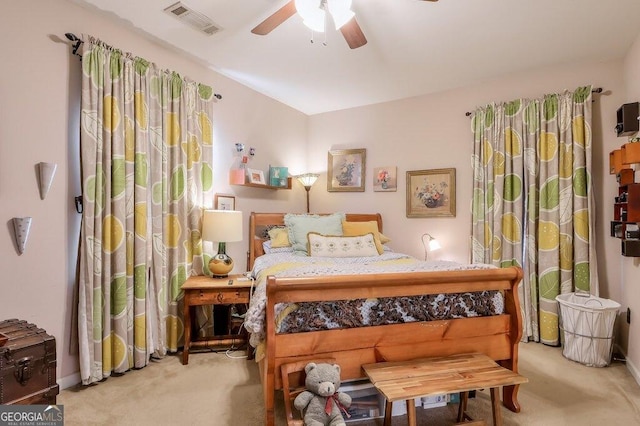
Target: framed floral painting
[431, 193]
[385, 179]
[346, 170]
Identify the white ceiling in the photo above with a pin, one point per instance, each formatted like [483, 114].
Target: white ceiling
[414, 47]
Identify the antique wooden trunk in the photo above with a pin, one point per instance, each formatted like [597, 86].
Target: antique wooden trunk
[27, 364]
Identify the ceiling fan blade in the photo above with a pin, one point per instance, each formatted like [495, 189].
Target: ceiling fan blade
[278, 17]
[353, 34]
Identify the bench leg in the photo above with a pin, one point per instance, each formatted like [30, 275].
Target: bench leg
[495, 406]
[411, 412]
[388, 407]
[462, 407]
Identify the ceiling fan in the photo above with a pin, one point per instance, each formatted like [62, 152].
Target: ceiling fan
[313, 13]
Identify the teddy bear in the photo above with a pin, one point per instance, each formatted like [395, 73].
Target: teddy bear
[322, 404]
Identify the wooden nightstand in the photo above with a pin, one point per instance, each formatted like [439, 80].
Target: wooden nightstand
[203, 290]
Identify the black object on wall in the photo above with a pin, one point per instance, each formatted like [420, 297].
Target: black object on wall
[627, 119]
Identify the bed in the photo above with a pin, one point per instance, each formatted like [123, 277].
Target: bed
[495, 335]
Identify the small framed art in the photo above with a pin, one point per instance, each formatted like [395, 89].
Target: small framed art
[431, 193]
[385, 179]
[224, 202]
[256, 176]
[346, 170]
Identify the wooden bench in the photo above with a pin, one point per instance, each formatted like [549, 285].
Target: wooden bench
[407, 380]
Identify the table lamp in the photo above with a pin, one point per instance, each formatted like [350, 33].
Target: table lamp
[223, 226]
[430, 245]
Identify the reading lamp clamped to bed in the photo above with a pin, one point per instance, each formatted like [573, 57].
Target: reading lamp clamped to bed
[430, 245]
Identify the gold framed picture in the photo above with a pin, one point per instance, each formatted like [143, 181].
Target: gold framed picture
[346, 170]
[431, 193]
[385, 179]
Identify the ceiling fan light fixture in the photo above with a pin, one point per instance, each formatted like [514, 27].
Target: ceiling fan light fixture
[340, 12]
[313, 15]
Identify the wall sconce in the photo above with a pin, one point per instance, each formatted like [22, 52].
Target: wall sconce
[46, 171]
[430, 245]
[21, 227]
[223, 226]
[307, 180]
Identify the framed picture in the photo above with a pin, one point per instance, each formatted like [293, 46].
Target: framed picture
[431, 193]
[385, 179]
[256, 176]
[278, 176]
[346, 170]
[224, 202]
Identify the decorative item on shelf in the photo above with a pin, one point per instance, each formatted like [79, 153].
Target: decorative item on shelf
[256, 176]
[307, 180]
[21, 227]
[431, 244]
[237, 174]
[278, 176]
[46, 171]
[221, 226]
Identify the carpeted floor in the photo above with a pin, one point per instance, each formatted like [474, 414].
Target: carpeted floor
[217, 390]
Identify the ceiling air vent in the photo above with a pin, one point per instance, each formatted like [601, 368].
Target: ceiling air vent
[192, 18]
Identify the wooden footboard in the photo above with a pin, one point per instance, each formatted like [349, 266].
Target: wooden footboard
[496, 336]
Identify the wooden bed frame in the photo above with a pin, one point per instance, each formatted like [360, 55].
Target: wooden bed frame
[495, 336]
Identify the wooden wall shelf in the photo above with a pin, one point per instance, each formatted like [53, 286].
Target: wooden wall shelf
[264, 186]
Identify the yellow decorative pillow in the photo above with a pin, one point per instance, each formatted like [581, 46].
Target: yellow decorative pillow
[383, 238]
[354, 229]
[279, 237]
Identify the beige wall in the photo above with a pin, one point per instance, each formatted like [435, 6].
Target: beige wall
[433, 132]
[39, 96]
[39, 105]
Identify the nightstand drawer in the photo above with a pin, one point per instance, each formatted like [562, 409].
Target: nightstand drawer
[202, 297]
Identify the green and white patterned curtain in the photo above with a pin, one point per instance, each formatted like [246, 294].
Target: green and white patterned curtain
[146, 145]
[533, 201]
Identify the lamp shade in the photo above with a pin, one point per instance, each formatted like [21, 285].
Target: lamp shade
[222, 225]
[308, 179]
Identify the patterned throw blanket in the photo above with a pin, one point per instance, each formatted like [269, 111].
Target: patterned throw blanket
[312, 316]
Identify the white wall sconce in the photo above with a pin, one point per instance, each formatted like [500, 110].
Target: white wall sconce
[431, 244]
[21, 227]
[46, 171]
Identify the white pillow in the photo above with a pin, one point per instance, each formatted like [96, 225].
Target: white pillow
[299, 225]
[340, 246]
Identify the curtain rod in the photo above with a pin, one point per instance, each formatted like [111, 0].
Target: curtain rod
[596, 90]
[78, 41]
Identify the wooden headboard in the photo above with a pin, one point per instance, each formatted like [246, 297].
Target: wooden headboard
[259, 222]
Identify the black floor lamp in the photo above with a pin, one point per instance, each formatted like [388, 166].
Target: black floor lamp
[307, 180]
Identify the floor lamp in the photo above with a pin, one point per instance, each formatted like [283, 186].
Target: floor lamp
[307, 180]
